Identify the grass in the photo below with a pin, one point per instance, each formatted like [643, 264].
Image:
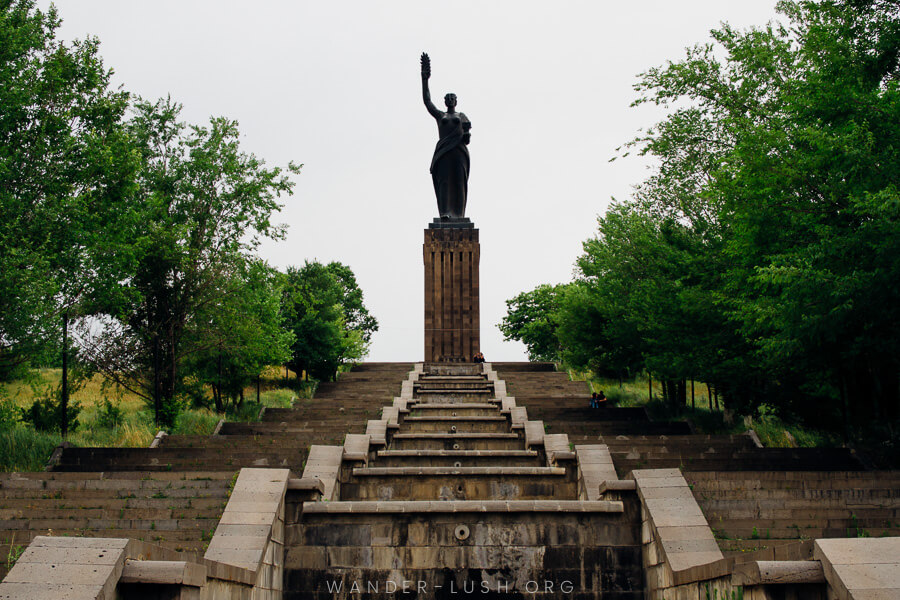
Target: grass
[774, 433]
[24, 449]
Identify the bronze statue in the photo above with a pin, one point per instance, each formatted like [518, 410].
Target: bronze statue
[450, 164]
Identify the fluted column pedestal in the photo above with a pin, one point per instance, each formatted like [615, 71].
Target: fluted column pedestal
[452, 323]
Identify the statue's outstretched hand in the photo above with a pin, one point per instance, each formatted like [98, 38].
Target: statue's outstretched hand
[426, 66]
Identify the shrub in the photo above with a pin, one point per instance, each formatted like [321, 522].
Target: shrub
[110, 415]
[9, 412]
[168, 412]
[45, 414]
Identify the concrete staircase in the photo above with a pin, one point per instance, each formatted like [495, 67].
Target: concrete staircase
[467, 477]
[755, 510]
[754, 498]
[636, 442]
[173, 495]
[453, 443]
[456, 489]
[178, 511]
[281, 439]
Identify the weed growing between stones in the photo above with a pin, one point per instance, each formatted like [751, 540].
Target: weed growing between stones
[735, 594]
[13, 554]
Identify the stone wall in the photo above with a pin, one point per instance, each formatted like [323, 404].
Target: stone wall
[244, 560]
[540, 549]
[681, 560]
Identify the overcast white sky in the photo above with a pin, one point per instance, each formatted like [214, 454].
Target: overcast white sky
[336, 86]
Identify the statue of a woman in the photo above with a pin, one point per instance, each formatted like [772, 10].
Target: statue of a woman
[450, 164]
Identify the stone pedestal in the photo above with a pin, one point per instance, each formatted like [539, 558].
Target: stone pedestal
[452, 322]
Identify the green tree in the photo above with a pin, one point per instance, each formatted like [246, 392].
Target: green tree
[239, 334]
[356, 315]
[324, 309]
[532, 318]
[789, 141]
[64, 160]
[200, 210]
[761, 255]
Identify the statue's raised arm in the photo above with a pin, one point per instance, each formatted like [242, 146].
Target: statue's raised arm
[450, 162]
[426, 95]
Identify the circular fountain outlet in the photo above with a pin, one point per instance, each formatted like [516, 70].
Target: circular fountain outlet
[460, 489]
[453, 428]
[457, 464]
[456, 446]
[461, 532]
[453, 414]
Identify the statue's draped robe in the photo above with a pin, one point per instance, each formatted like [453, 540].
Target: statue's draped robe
[450, 164]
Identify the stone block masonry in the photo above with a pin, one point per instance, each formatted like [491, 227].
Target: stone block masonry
[452, 321]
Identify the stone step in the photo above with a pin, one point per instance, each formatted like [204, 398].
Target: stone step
[361, 507]
[617, 428]
[228, 465]
[421, 390]
[163, 512]
[454, 406]
[882, 517]
[461, 409]
[319, 408]
[679, 444]
[884, 498]
[456, 419]
[200, 476]
[191, 549]
[369, 367]
[453, 370]
[74, 494]
[163, 454]
[39, 486]
[228, 441]
[456, 458]
[737, 462]
[453, 383]
[795, 478]
[579, 411]
[453, 379]
[486, 424]
[188, 538]
[456, 471]
[730, 547]
[693, 438]
[451, 395]
[819, 491]
[797, 522]
[209, 457]
[443, 485]
[803, 530]
[114, 503]
[526, 367]
[458, 453]
[78, 522]
[458, 441]
[213, 460]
